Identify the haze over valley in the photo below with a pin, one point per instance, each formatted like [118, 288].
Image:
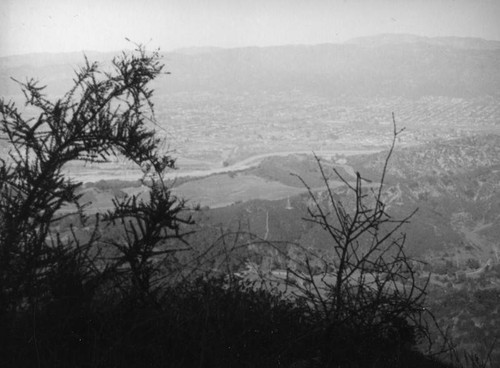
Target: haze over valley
[221, 106]
[239, 121]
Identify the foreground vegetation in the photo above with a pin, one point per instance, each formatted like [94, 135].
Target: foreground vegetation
[115, 294]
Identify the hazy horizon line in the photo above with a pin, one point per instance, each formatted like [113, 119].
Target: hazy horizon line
[199, 47]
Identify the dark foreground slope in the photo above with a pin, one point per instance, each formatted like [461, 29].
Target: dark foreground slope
[204, 323]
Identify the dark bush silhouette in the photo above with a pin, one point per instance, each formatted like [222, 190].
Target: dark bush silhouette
[105, 114]
[372, 290]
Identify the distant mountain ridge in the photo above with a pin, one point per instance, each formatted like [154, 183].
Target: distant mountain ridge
[385, 65]
[47, 58]
[457, 42]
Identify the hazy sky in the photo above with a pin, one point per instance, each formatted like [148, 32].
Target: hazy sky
[75, 25]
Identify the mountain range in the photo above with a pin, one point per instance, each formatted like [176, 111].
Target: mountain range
[385, 65]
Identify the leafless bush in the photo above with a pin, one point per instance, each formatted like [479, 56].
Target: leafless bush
[368, 283]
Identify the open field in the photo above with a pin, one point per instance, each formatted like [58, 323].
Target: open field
[223, 190]
[213, 191]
